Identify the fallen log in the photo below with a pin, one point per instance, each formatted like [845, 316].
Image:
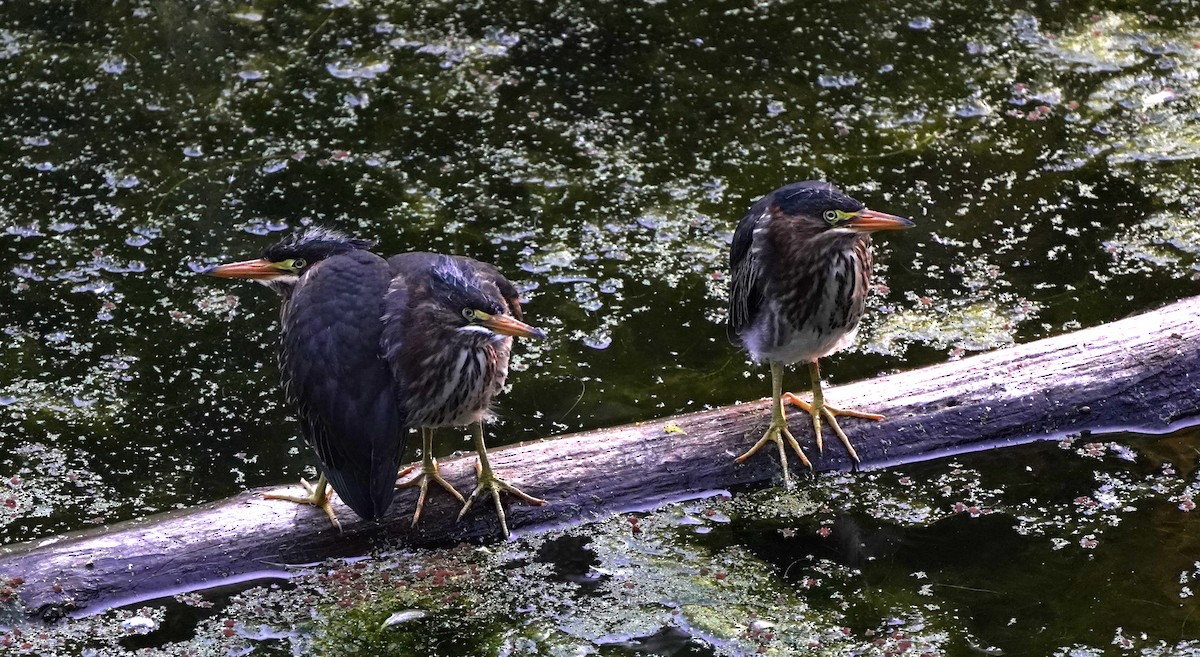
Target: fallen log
[1137, 373]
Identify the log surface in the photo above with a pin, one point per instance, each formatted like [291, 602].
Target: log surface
[1134, 374]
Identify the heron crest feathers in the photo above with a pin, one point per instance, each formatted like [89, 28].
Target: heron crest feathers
[314, 244]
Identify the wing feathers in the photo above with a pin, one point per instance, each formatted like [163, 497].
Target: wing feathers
[745, 272]
[336, 377]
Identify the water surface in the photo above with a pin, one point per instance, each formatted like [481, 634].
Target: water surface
[601, 155]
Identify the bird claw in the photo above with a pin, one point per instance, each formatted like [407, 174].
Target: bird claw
[830, 413]
[779, 434]
[319, 495]
[489, 482]
[429, 472]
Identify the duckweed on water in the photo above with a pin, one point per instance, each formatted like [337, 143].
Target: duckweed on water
[943, 558]
[602, 154]
[1166, 242]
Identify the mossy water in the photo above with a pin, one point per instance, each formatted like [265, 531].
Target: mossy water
[953, 557]
[601, 155]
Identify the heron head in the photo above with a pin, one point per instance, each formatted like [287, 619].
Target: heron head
[473, 304]
[282, 264]
[818, 207]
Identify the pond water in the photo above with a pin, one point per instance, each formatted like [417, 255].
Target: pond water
[600, 155]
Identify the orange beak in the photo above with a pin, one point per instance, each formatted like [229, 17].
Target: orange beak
[869, 221]
[252, 269]
[505, 325]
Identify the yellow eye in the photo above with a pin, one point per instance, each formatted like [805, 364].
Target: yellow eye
[295, 264]
[835, 217]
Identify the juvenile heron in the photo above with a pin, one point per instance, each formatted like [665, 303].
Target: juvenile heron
[370, 348]
[800, 267]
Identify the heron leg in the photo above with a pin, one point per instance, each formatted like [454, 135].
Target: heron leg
[489, 482]
[778, 432]
[318, 496]
[429, 472]
[818, 409]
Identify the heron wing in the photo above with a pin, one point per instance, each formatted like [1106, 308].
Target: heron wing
[336, 378]
[745, 272]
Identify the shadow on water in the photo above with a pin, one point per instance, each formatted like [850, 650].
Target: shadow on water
[181, 615]
[1121, 561]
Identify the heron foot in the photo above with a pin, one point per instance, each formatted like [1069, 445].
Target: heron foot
[489, 482]
[429, 472]
[779, 434]
[318, 496]
[831, 414]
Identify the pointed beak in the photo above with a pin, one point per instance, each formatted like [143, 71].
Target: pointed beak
[869, 221]
[505, 325]
[252, 269]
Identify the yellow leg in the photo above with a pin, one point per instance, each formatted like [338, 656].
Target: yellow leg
[488, 481]
[818, 409]
[318, 496]
[429, 472]
[778, 432]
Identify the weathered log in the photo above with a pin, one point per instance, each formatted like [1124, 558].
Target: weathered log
[1137, 373]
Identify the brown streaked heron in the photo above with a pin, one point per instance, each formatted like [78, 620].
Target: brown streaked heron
[800, 269]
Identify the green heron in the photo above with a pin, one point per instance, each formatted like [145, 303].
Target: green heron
[373, 347]
[800, 267]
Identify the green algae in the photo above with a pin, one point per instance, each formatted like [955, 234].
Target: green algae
[601, 155]
[1163, 241]
[937, 559]
[956, 327]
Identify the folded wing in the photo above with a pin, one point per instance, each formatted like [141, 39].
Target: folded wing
[335, 375]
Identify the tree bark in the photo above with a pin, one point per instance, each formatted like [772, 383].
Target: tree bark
[1137, 374]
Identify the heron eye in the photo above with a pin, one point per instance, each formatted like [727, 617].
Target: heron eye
[831, 216]
[298, 263]
[468, 313]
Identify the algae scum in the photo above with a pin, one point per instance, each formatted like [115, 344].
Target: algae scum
[946, 558]
[601, 156]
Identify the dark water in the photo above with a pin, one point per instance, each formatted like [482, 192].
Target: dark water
[600, 154]
[1083, 547]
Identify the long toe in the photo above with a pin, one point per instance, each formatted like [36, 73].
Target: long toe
[494, 486]
[779, 434]
[420, 500]
[327, 507]
[526, 497]
[830, 414]
[843, 412]
[791, 441]
[319, 495]
[449, 488]
[500, 513]
[428, 473]
[753, 450]
[794, 400]
[770, 436]
[842, 437]
[402, 474]
[791, 398]
[783, 463]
